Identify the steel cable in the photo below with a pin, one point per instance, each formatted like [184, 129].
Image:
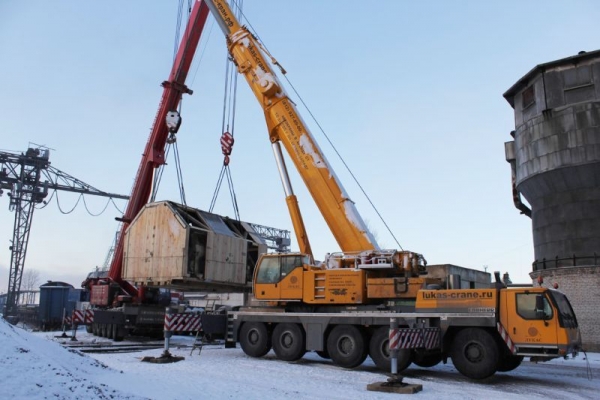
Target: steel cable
[228, 125]
[179, 173]
[344, 162]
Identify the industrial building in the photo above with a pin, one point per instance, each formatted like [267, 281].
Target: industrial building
[555, 162]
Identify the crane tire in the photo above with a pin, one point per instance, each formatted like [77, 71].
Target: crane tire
[289, 342]
[380, 352]
[509, 362]
[347, 346]
[475, 353]
[323, 353]
[427, 360]
[254, 339]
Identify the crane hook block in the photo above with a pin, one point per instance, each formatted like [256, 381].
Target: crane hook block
[226, 146]
[173, 120]
[226, 143]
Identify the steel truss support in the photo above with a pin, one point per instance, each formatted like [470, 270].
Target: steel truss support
[22, 176]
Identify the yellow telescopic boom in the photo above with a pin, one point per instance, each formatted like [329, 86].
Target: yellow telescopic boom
[287, 127]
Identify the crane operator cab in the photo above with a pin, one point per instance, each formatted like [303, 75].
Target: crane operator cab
[279, 276]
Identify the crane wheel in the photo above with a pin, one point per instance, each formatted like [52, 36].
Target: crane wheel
[347, 347]
[424, 360]
[323, 354]
[289, 342]
[475, 353]
[509, 362]
[254, 339]
[380, 352]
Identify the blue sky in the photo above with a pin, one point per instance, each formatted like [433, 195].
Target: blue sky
[409, 92]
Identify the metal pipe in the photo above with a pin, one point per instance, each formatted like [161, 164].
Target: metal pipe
[283, 173]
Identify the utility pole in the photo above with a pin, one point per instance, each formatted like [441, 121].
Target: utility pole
[28, 177]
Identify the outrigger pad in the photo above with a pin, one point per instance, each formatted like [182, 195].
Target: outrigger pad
[394, 384]
[165, 358]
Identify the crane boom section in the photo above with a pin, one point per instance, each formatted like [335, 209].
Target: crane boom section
[154, 153]
[286, 126]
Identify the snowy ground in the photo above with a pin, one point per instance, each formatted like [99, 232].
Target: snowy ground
[37, 367]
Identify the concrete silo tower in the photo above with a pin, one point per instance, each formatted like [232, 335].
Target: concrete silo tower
[555, 161]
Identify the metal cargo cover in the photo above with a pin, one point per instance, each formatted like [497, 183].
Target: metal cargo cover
[226, 258]
[216, 223]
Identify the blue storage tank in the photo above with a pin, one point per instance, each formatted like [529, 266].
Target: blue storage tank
[56, 298]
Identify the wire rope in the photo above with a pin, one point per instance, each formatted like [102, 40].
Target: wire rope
[179, 173]
[177, 28]
[158, 175]
[217, 188]
[228, 125]
[344, 163]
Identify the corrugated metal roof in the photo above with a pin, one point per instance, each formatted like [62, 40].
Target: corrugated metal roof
[216, 223]
[255, 236]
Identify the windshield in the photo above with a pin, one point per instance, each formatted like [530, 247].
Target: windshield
[274, 268]
[566, 316]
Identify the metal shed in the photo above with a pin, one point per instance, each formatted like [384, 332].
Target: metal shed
[56, 298]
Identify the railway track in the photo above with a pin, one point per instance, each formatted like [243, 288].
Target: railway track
[128, 347]
[108, 347]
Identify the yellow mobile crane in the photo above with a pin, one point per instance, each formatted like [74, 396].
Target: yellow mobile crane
[342, 308]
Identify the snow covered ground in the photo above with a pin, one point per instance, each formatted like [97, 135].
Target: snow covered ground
[36, 366]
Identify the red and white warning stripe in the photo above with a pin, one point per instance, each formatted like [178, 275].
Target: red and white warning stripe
[226, 143]
[226, 146]
[411, 338]
[77, 316]
[89, 317]
[504, 334]
[182, 322]
[431, 338]
[67, 320]
[394, 338]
